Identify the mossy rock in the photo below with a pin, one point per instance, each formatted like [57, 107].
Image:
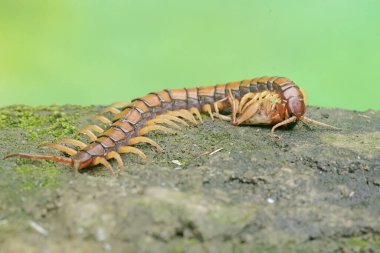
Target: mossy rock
[315, 190]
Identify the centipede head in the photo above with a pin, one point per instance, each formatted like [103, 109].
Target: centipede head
[81, 160]
[295, 102]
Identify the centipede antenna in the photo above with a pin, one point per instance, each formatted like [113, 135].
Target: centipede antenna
[285, 122]
[317, 123]
[60, 159]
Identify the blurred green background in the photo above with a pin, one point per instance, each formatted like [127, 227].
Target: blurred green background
[98, 52]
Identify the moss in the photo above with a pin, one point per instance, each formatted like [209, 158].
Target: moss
[43, 177]
[363, 243]
[39, 121]
[358, 242]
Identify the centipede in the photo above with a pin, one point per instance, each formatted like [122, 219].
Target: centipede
[275, 101]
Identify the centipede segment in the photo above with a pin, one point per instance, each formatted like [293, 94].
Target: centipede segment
[275, 101]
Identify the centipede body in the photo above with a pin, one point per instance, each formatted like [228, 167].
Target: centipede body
[267, 100]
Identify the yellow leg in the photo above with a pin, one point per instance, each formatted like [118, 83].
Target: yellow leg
[103, 119]
[192, 119]
[246, 98]
[222, 117]
[73, 142]
[102, 160]
[90, 134]
[96, 128]
[184, 114]
[122, 114]
[139, 139]
[117, 157]
[172, 118]
[216, 114]
[128, 149]
[148, 129]
[59, 147]
[196, 112]
[255, 99]
[234, 104]
[111, 110]
[207, 108]
[248, 113]
[216, 105]
[162, 121]
[120, 104]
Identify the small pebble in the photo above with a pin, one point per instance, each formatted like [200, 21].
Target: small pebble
[38, 228]
[270, 200]
[107, 247]
[100, 234]
[177, 162]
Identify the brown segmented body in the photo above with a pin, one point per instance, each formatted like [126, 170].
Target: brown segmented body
[266, 100]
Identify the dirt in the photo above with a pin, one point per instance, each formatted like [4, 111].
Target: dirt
[315, 190]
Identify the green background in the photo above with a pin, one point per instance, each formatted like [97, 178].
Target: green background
[98, 52]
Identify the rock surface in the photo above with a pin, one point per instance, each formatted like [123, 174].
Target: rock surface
[315, 190]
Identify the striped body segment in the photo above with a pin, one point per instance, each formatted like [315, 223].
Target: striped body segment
[266, 100]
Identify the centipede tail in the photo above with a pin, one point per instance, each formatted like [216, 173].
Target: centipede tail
[276, 101]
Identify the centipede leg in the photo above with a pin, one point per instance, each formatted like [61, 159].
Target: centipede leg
[103, 161]
[128, 149]
[234, 105]
[96, 128]
[222, 117]
[117, 157]
[207, 108]
[162, 121]
[196, 112]
[184, 114]
[102, 119]
[172, 118]
[190, 116]
[248, 113]
[255, 99]
[89, 134]
[120, 104]
[246, 98]
[148, 129]
[60, 147]
[73, 142]
[111, 109]
[139, 139]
